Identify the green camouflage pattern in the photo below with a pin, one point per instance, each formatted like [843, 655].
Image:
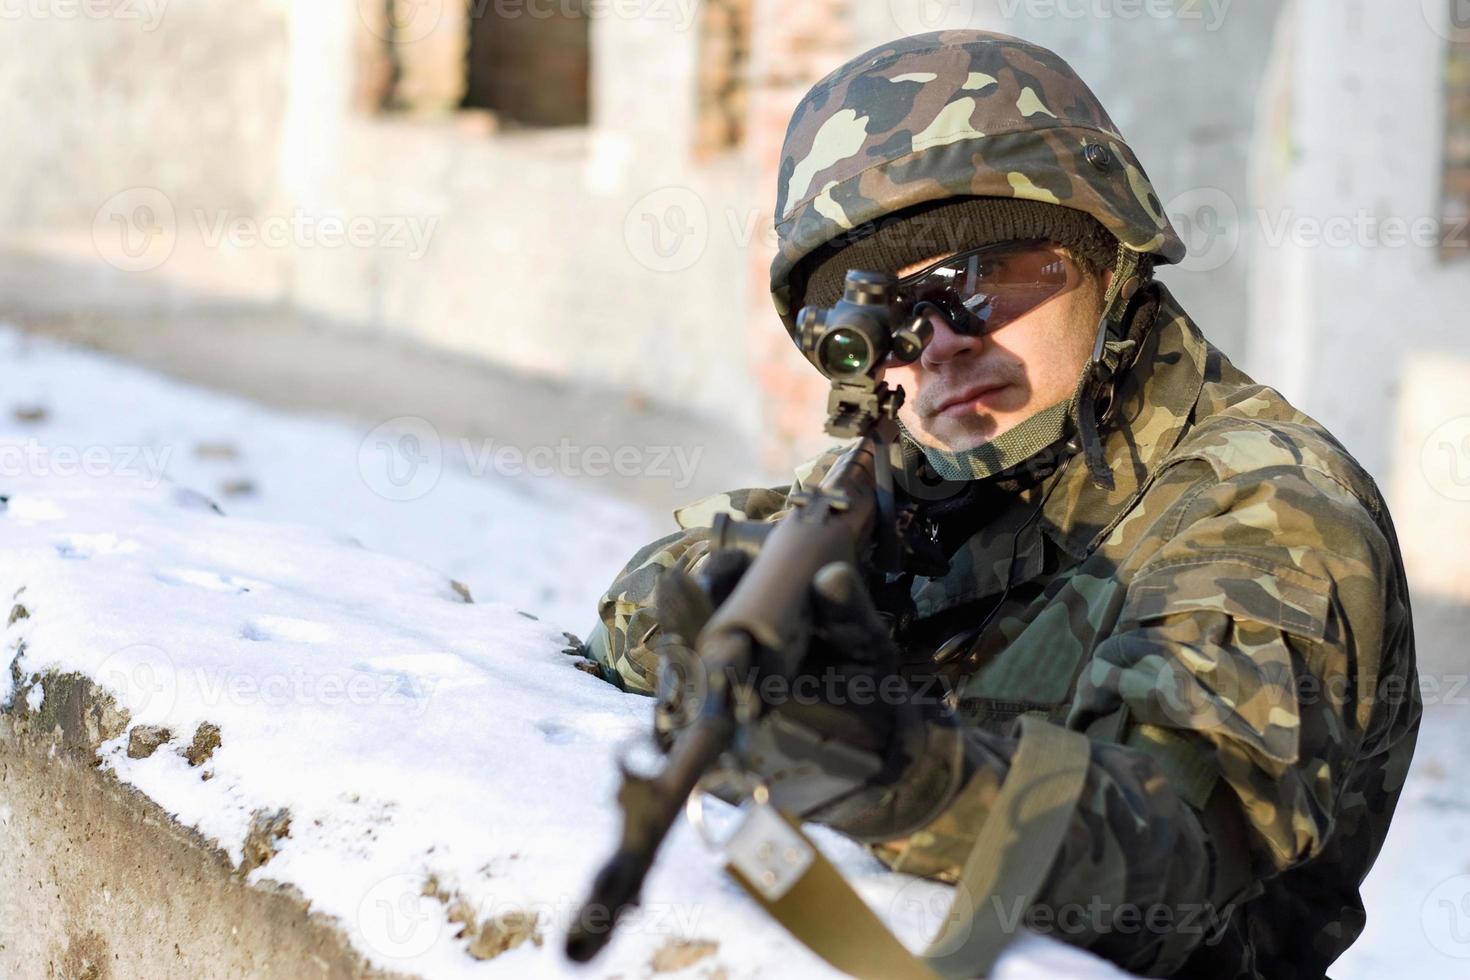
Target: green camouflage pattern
[1230, 625]
[948, 114]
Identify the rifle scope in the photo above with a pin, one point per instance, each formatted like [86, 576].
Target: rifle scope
[868, 325]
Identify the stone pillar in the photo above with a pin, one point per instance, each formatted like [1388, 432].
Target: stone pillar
[723, 76]
[429, 42]
[1455, 210]
[794, 45]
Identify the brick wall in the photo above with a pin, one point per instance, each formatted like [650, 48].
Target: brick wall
[794, 46]
[723, 76]
[1455, 210]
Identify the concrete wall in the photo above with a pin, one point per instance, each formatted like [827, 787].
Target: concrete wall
[221, 155]
[99, 883]
[1355, 313]
[1181, 79]
[540, 244]
[184, 95]
[121, 118]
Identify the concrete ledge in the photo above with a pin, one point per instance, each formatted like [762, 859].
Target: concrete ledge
[99, 882]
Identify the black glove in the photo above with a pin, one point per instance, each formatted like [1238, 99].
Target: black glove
[845, 743]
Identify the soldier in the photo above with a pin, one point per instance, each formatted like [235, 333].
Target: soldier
[1145, 546]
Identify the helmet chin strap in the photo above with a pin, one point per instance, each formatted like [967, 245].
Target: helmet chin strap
[1108, 352]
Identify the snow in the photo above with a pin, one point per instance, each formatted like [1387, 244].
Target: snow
[1418, 893]
[546, 545]
[411, 735]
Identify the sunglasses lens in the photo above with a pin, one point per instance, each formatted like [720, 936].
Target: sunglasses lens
[982, 291]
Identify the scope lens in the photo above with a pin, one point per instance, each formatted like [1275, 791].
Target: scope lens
[845, 352]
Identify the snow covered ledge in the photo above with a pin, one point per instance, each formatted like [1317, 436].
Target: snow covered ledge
[100, 882]
[237, 748]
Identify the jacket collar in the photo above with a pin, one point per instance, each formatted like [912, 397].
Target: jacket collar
[1154, 404]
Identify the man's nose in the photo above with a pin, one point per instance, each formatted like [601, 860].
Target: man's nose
[947, 343]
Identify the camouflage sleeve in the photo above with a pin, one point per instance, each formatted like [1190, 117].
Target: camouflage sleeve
[623, 639]
[1250, 659]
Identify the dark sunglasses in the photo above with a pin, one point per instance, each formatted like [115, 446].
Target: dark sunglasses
[979, 291]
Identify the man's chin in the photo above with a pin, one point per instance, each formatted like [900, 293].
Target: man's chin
[957, 436]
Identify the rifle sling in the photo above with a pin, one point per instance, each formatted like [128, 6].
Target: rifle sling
[1002, 876]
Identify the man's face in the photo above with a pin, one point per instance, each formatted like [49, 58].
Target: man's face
[965, 391]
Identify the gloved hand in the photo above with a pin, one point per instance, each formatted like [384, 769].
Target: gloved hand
[845, 743]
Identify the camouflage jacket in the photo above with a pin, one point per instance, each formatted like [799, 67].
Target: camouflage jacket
[1230, 625]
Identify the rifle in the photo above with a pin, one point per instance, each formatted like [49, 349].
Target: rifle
[853, 515]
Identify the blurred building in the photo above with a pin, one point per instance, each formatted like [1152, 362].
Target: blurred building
[580, 189]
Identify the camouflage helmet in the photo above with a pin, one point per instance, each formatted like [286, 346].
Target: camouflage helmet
[953, 114]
